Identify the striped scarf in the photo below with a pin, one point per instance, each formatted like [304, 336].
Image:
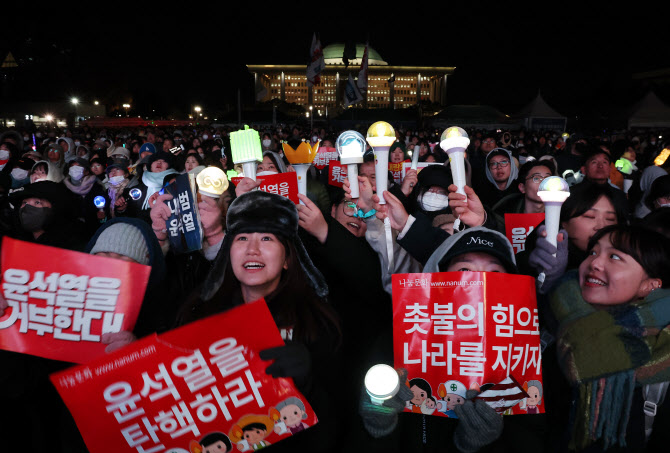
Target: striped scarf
[605, 354]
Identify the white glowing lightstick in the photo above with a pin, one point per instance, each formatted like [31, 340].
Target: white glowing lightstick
[454, 141]
[381, 383]
[415, 159]
[381, 136]
[553, 192]
[351, 147]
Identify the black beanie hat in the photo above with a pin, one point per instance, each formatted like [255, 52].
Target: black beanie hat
[435, 175]
[160, 155]
[262, 212]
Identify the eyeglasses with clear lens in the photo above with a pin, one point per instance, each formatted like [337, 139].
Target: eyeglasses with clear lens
[350, 209]
[537, 178]
[502, 164]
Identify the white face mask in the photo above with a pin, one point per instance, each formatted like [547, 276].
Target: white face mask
[76, 173]
[431, 201]
[77, 143]
[116, 180]
[4, 155]
[202, 155]
[266, 173]
[267, 143]
[205, 137]
[19, 174]
[314, 139]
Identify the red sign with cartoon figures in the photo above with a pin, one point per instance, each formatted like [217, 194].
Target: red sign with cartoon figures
[61, 302]
[284, 184]
[455, 331]
[336, 173]
[519, 226]
[198, 387]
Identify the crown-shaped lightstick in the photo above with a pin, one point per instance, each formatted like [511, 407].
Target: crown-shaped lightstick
[301, 159]
[212, 182]
[381, 136]
[454, 141]
[565, 136]
[381, 383]
[351, 147]
[247, 150]
[553, 191]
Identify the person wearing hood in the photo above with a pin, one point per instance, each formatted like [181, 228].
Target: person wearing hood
[478, 426]
[159, 165]
[45, 171]
[69, 150]
[85, 188]
[43, 214]
[501, 173]
[56, 155]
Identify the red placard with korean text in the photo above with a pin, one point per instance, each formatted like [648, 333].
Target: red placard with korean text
[171, 392]
[60, 301]
[284, 184]
[396, 170]
[519, 226]
[324, 155]
[336, 173]
[455, 331]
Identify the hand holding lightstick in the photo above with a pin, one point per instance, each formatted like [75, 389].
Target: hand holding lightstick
[247, 150]
[553, 192]
[454, 141]
[301, 159]
[381, 383]
[381, 136]
[100, 202]
[351, 147]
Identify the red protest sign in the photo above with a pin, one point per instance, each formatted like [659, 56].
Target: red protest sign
[336, 173]
[170, 392]
[62, 301]
[324, 156]
[396, 170]
[519, 226]
[284, 184]
[453, 331]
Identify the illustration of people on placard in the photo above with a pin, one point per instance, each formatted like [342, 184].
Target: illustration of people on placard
[422, 391]
[534, 390]
[215, 442]
[452, 394]
[288, 416]
[250, 431]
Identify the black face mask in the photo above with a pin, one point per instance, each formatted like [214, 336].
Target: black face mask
[35, 219]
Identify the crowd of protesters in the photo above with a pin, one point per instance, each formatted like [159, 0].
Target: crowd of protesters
[322, 266]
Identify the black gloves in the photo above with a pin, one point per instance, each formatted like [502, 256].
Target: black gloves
[291, 360]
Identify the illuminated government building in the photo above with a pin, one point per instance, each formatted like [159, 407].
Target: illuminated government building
[388, 86]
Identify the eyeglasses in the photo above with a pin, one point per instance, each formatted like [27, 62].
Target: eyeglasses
[350, 209]
[502, 164]
[489, 141]
[537, 178]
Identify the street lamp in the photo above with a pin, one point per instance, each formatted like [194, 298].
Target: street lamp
[74, 101]
[311, 119]
[126, 106]
[197, 109]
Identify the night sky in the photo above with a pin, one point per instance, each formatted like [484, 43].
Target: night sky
[581, 59]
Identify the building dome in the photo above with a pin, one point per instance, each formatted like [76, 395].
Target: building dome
[332, 54]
